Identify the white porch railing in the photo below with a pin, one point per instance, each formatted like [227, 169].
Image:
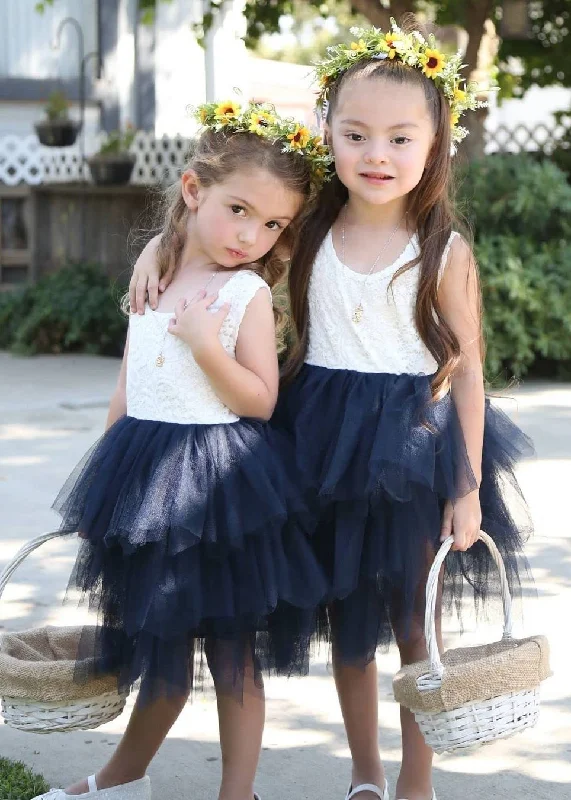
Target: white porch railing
[24, 160]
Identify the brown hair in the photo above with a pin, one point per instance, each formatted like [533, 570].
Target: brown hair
[217, 155]
[429, 211]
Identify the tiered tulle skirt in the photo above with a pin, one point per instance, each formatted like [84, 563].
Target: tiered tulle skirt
[380, 460]
[192, 535]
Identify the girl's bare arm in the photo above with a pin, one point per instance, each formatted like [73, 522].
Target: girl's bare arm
[145, 279]
[459, 296]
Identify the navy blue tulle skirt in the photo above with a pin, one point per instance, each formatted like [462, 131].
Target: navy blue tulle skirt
[380, 459]
[192, 535]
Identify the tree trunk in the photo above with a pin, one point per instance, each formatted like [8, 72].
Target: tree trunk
[380, 17]
[477, 14]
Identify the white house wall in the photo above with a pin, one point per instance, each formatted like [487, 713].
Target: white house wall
[187, 74]
[26, 36]
[535, 108]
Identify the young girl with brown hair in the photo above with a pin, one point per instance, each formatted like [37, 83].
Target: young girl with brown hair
[192, 526]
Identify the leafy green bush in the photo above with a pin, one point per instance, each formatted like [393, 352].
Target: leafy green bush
[17, 782]
[76, 309]
[520, 211]
[561, 155]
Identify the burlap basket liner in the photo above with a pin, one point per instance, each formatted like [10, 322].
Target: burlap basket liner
[476, 673]
[41, 665]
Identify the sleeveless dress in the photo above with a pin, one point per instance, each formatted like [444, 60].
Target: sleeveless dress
[193, 528]
[380, 458]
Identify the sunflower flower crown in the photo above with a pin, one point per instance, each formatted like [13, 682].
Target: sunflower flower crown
[414, 51]
[263, 120]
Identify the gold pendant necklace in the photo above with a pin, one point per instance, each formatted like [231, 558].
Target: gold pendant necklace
[359, 311]
[161, 358]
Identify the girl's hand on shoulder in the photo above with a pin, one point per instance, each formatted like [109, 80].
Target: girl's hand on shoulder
[462, 520]
[196, 325]
[145, 279]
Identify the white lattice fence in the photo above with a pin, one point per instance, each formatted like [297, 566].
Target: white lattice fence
[20, 160]
[159, 160]
[26, 161]
[521, 139]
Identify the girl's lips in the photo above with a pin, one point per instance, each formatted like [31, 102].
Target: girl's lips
[376, 176]
[236, 253]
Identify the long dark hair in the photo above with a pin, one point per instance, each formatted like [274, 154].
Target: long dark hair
[429, 211]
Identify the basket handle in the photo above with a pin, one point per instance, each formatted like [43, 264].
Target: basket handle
[25, 551]
[436, 666]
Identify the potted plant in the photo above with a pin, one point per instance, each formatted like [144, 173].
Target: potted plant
[113, 164]
[58, 130]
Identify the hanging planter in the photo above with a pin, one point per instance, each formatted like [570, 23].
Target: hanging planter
[112, 170]
[59, 133]
[113, 164]
[58, 130]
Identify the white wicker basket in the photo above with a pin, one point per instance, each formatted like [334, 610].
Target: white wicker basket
[46, 716]
[480, 721]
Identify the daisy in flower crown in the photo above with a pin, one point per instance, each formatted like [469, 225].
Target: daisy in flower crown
[412, 49]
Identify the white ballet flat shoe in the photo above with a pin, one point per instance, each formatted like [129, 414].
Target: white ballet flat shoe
[368, 787]
[134, 790]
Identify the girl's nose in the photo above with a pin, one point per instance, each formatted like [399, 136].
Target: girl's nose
[376, 156]
[248, 234]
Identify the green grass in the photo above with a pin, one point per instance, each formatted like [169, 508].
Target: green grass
[18, 782]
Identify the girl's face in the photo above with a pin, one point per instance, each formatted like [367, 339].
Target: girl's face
[238, 221]
[381, 134]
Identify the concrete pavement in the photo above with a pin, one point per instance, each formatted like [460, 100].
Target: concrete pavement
[53, 408]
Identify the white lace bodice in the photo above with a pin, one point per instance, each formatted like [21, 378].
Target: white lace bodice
[386, 338]
[179, 391]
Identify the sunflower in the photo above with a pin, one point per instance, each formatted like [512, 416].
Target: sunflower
[260, 121]
[300, 137]
[393, 44]
[227, 111]
[459, 95]
[433, 62]
[454, 118]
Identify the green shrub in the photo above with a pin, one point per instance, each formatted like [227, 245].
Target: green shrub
[76, 309]
[17, 782]
[515, 195]
[520, 211]
[561, 155]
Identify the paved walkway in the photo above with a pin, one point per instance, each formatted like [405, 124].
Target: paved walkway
[53, 408]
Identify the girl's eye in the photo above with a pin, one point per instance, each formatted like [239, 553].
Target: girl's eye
[401, 140]
[354, 137]
[238, 210]
[275, 226]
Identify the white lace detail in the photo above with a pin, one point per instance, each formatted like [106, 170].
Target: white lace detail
[386, 339]
[179, 391]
